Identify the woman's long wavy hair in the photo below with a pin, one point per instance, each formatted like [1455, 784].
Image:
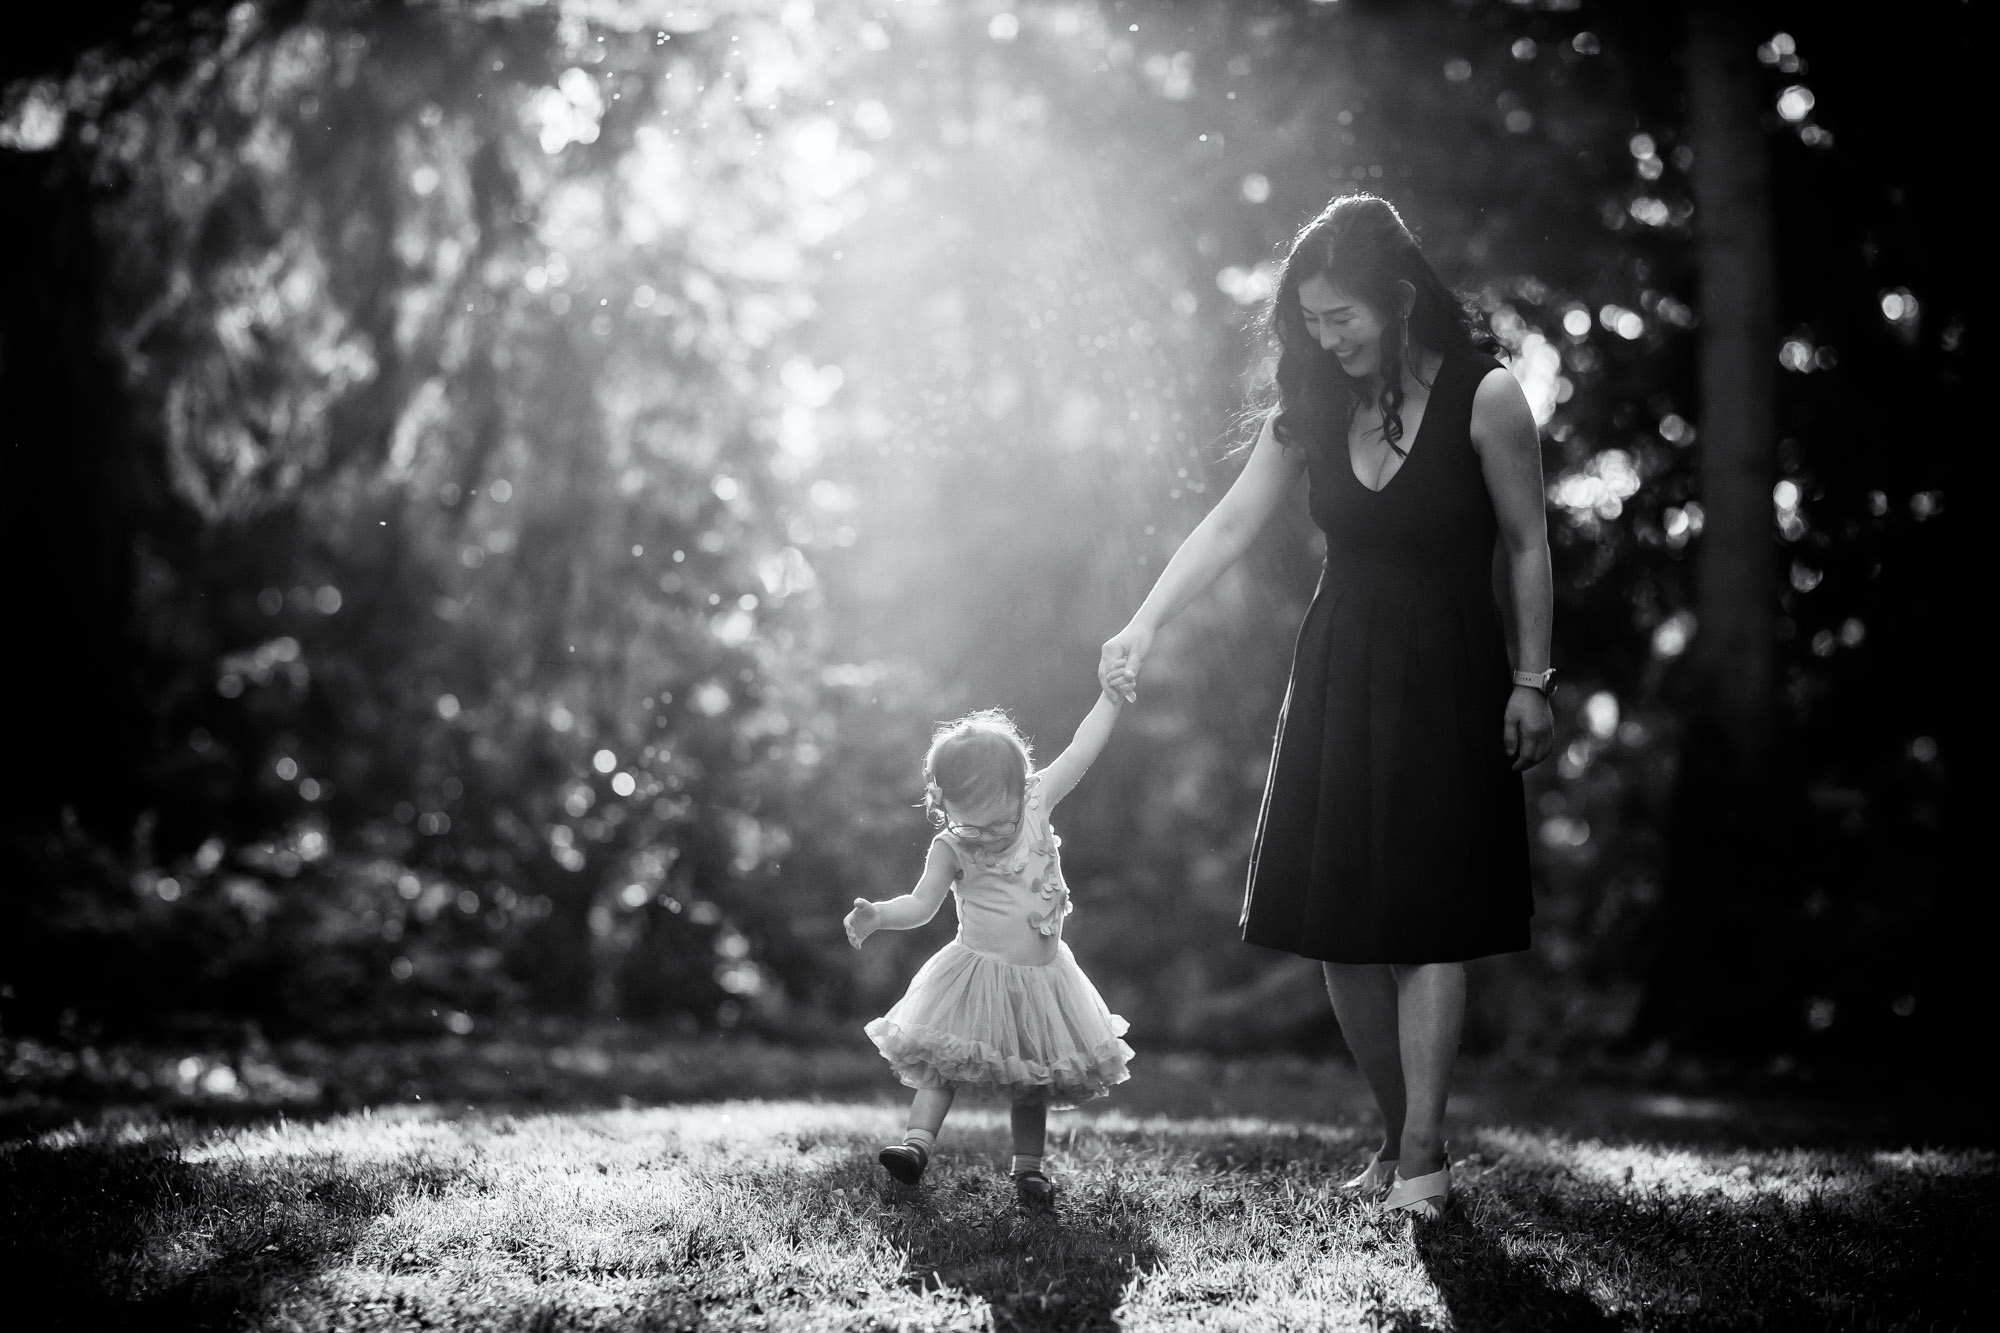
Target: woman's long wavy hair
[1359, 244]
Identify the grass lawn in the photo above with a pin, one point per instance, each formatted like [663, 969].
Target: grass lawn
[770, 1213]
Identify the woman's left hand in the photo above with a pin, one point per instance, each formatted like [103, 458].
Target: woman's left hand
[1530, 728]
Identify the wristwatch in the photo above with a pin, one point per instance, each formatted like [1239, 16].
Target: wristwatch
[1542, 682]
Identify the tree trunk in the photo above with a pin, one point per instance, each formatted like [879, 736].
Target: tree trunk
[1723, 911]
[1736, 571]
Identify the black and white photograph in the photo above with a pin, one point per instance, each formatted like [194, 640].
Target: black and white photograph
[1010, 666]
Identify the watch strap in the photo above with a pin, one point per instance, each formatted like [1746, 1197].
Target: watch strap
[1543, 682]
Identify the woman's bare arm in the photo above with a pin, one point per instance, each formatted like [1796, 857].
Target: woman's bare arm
[1215, 544]
[1510, 457]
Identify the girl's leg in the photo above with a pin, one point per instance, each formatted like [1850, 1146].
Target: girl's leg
[1364, 999]
[906, 1161]
[1031, 1127]
[927, 1111]
[1430, 1000]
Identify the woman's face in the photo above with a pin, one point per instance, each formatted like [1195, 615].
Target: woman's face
[1344, 325]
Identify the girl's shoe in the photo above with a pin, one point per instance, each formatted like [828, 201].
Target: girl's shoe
[1375, 1178]
[1035, 1190]
[904, 1161]
[1424, 1197]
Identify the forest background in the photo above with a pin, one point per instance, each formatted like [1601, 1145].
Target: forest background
[497, 495]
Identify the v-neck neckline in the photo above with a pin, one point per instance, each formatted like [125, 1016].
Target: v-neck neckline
[1409, 455]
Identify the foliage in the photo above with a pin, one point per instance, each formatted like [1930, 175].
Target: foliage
[463, 644]
[535, 473]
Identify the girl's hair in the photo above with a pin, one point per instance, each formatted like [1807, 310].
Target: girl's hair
[976, 758]
[1359, 244]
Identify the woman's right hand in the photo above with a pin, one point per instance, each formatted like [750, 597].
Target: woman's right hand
[863, 921]
[1118, 661]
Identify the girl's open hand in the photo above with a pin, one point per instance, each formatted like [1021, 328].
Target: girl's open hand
[1118, 662]
[863, 921]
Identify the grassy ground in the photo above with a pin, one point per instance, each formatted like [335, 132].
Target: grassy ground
[770, 1213]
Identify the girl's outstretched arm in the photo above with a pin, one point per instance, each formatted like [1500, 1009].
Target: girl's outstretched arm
[914, 908]
[1067, 768]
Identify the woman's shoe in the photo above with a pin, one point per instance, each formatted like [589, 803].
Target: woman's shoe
[1375, 1178]
[904, 1161]
[1423, 1197]
[1035, 1190]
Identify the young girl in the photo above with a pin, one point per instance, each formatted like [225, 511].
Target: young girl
[1003, 1006]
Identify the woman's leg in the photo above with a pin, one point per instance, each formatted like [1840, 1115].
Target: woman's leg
[1364, 1001]
[1430, 1003]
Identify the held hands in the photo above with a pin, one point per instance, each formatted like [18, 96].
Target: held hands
[1118, 662]
[1529, 728]
[863, 921]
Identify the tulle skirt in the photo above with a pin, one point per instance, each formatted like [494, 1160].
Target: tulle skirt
[972, 1020]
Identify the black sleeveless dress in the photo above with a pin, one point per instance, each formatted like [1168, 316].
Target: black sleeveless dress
[1393, 828]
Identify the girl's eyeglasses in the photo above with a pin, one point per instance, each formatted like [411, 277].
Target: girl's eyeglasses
[1006, 828]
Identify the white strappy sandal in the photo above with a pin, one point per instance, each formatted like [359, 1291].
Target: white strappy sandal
[1375, 1178]
[1424, 1197]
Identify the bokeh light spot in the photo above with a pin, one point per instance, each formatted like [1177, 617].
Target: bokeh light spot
[37, 122]
[1671, 636]
[1600, 713]
[1796, 103]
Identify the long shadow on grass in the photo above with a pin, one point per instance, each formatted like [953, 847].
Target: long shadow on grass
[1486, 1287]
[91, 1229]
[1847, 1241]
[963, 1229]
[1063, 1269]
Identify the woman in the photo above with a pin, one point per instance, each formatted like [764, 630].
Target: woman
[1392, 843]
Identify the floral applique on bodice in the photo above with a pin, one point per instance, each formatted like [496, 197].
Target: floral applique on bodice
[1022, 881]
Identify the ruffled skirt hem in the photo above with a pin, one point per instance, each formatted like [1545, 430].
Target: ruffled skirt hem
[971, 1020]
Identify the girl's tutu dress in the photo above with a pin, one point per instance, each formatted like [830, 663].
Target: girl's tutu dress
[1004, 1005]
